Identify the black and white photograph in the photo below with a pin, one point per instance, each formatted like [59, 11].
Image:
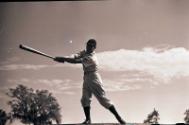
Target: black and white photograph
[103, 62]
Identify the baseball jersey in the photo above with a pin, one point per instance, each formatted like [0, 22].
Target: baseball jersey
[89, 61]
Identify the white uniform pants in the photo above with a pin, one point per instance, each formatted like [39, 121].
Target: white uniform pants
[93, 85]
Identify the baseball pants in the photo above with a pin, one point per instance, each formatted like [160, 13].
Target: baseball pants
[93, 85]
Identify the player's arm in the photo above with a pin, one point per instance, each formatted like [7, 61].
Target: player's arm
[68, 59]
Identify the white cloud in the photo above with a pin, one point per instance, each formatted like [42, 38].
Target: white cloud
[119, 85]
[58, 83]
[24, 81]
[59, 86]
[22, 66]
[10, 60]
[161, 65]
[56, 86]
[139, 78]
[158, 66]
[130, 81]
[9, 67]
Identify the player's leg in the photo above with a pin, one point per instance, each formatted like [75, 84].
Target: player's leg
[98, 90]
[115, 113]
[104, 101]
[87, 115]
[85, 101]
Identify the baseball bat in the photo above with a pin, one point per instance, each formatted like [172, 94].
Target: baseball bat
[27, 48]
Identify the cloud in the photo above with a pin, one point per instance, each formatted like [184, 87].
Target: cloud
[118, 85]
[22, 80]
[56, 83]
[10, 60]
[22, 66]
[69, 87]
[161, 65]
[139, 78]
[129, 81]
[10, 67]
[56, 86]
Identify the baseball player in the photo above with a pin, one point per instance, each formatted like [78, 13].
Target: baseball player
[92, 84]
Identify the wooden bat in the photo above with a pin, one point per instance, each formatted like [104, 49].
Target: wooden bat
[27, 48]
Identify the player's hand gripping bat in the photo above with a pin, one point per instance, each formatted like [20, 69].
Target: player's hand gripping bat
[27, 48]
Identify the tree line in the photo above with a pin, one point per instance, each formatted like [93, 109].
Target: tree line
[39, 107]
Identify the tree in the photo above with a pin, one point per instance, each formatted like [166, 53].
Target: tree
[153, 117]
[3, 117]
[37, 107]
[186, 119]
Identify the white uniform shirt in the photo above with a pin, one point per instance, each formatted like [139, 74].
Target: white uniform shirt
[89, 61]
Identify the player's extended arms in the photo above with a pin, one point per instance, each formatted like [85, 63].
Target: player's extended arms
[67, 59]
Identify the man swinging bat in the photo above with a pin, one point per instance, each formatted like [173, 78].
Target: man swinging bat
[92, 81]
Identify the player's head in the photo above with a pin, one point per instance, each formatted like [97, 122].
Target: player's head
[91, 45]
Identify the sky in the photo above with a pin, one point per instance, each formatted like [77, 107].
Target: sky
[142, 48]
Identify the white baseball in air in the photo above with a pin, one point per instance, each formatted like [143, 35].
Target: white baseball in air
[70, 41]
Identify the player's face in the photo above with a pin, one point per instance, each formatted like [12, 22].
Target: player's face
[90, 47]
